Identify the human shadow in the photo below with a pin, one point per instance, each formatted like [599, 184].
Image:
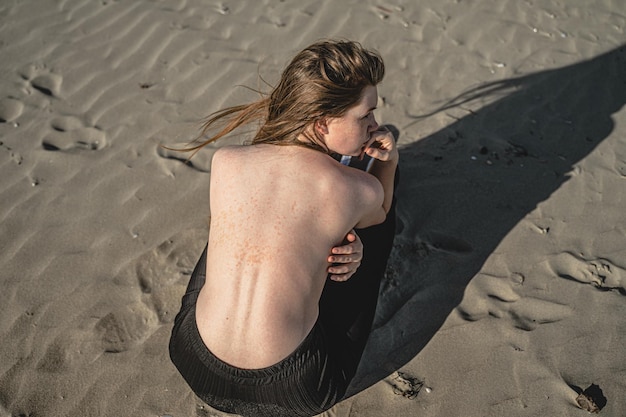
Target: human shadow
[464, 187]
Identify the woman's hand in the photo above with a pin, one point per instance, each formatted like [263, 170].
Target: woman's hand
[382, 145]
[345, 259]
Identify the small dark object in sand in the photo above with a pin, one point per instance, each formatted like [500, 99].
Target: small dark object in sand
[592, 399]
[406, 385]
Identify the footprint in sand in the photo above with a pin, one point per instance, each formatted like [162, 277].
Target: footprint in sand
[43, 81]
[601, 273]
[10, 109]
[161, 274]
[48, 84]
[160, 270]
[495, 296]
[69, 133]
[123, 329]
[154, 284]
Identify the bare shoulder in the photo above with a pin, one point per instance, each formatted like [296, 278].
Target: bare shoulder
[363, 193]
[226, 153]
[355, 186]
[358, 181]
[226, 159]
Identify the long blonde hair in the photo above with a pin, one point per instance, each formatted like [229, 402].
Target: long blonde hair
[323, 80]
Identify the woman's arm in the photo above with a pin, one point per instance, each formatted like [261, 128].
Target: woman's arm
[382, 148]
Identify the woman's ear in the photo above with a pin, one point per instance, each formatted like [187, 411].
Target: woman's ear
[321, 126]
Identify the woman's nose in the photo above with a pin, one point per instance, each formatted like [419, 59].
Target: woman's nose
[373, 125]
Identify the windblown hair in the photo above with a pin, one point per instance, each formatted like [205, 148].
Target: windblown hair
[322, 81]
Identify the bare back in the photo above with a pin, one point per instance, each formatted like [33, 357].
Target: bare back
[275, 213]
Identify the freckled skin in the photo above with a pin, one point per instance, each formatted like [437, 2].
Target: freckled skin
[275, 213]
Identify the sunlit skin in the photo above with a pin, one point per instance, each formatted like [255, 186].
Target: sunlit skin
[350, 133]
[357, 133]
[262, 199]
[345, 259]
[359, 123]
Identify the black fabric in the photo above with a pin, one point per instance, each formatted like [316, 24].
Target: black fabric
[349, 307]
[310, 380]
[314, 377]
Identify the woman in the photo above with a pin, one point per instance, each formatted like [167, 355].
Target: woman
[253, 336]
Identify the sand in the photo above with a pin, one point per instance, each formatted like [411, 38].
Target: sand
[505, 294]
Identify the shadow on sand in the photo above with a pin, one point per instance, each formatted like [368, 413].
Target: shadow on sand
[466, 186]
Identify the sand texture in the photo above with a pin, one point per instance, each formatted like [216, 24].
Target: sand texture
[506, 290]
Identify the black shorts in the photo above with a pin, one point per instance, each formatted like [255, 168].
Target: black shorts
[317, 374]
[309, 381]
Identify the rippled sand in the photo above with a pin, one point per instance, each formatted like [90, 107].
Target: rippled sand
[505, 294]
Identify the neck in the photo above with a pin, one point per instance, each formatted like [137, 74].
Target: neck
[309, 140]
